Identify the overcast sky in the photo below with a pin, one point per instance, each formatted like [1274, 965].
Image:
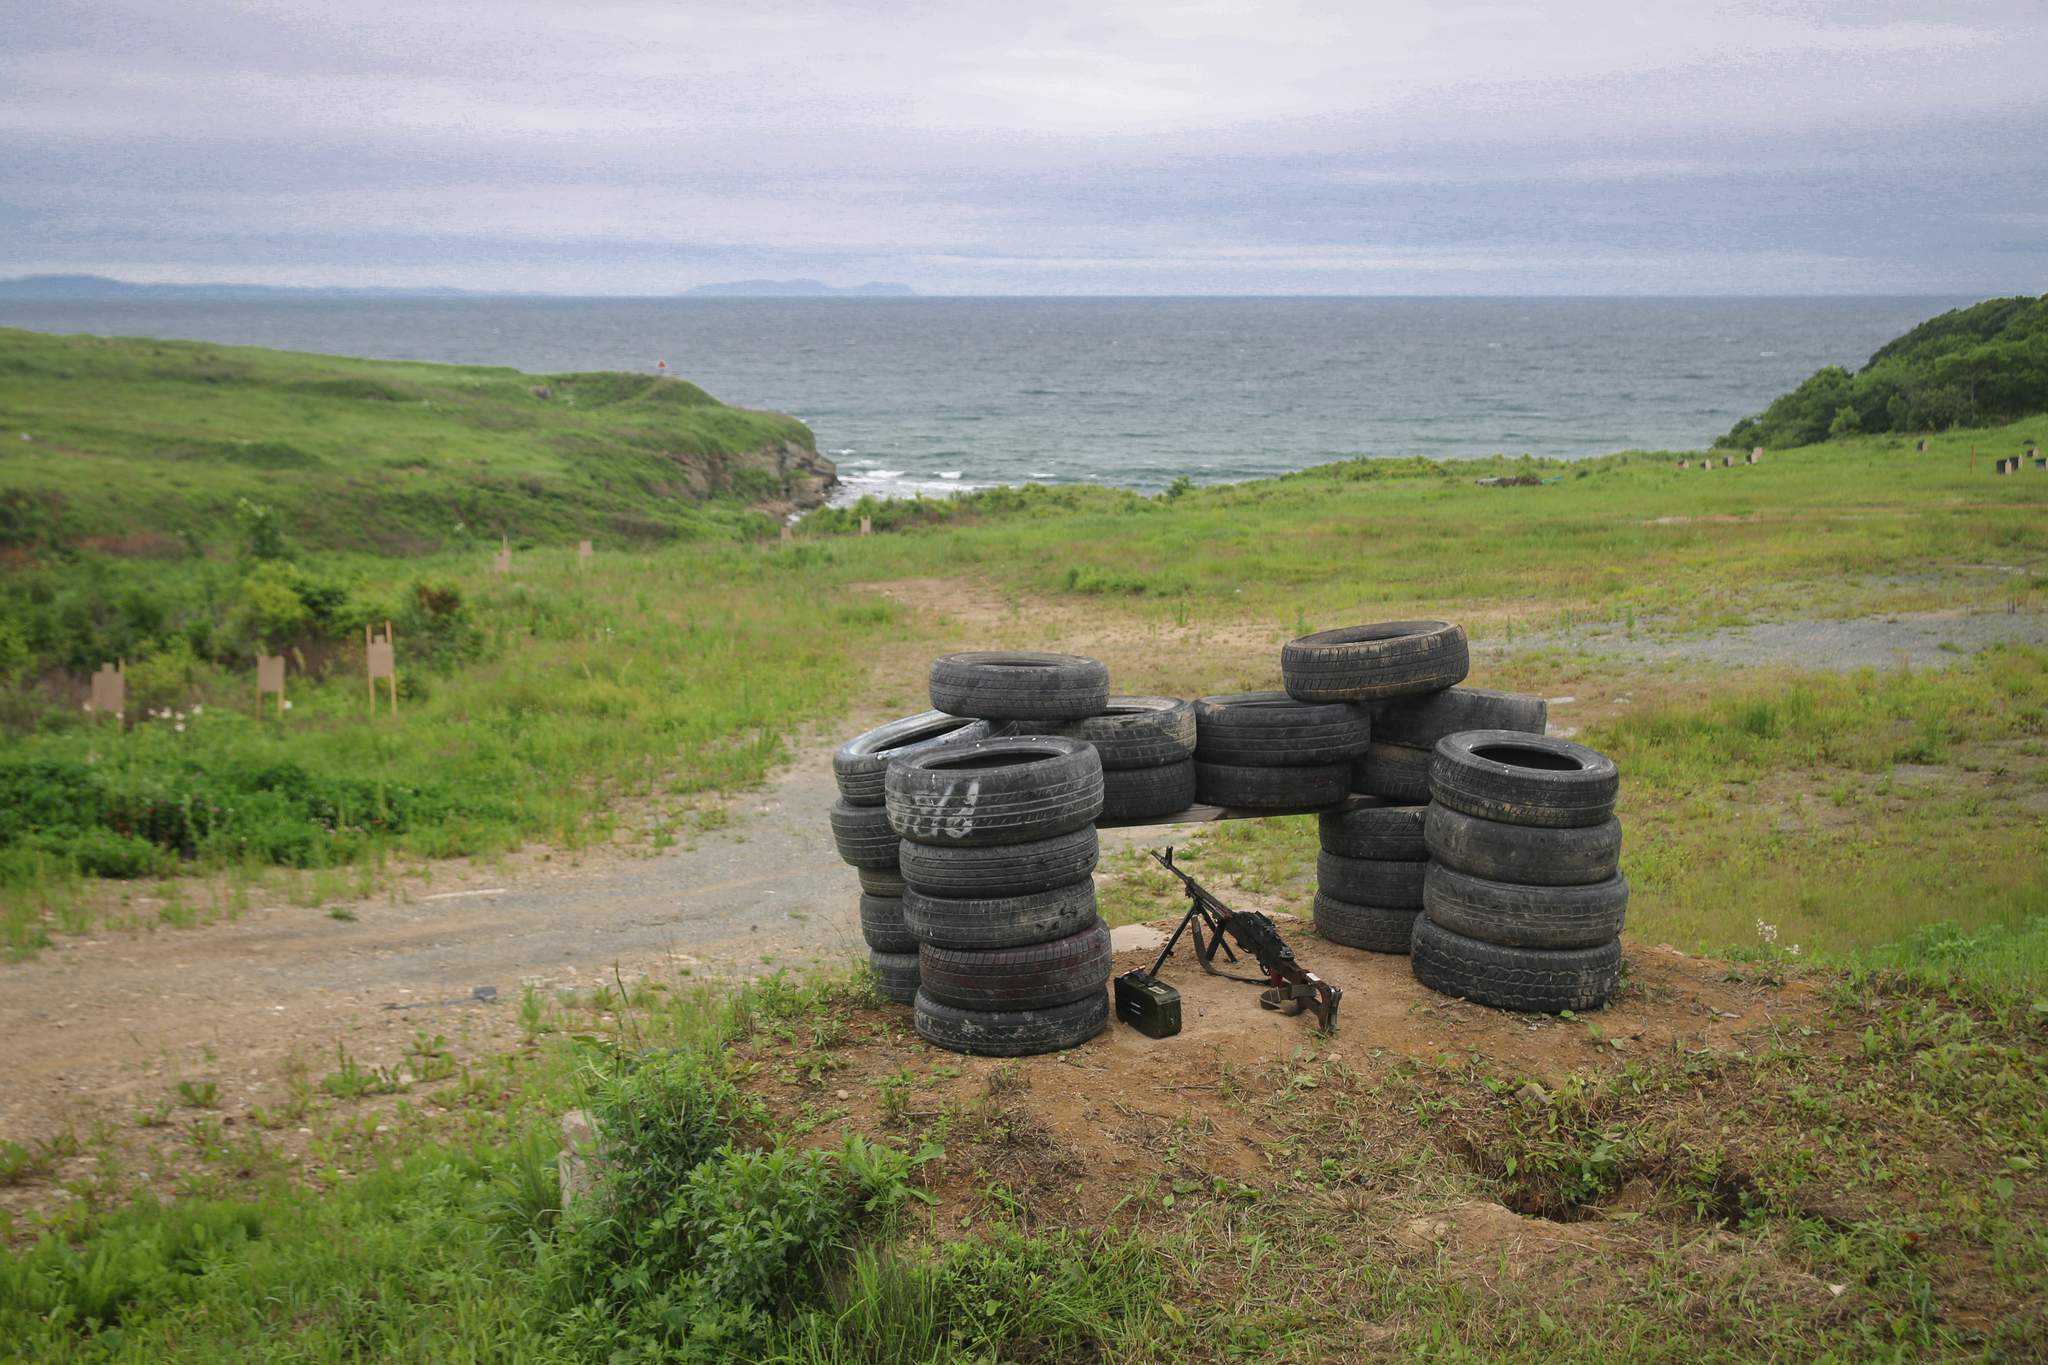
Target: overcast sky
[1215, 146]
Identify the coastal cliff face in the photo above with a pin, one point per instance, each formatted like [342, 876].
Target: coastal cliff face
[781, 477]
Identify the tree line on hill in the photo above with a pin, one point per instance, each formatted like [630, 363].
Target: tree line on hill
[1975, 366]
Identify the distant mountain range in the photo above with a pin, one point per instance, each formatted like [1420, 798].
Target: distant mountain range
[100, 287]
[797, 289]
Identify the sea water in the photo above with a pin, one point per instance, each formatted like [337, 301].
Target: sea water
[941, 394]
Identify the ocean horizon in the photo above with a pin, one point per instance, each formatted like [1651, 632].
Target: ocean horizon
[939, 394]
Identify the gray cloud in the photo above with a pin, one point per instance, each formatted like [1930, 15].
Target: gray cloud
[1212, 146]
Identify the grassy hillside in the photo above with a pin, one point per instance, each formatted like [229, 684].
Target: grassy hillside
[1969, 367]
[144, 446]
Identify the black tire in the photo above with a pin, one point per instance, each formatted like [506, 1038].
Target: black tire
[1523, 854]
[1526, 979]
[860, 763]
[863, 835]
[1273, 730]
[995, 791]
[1136, 732]
[896, 976]
[1549, 917]
[1374, 928]
[1371, 881]
[1013, 685]
[1393, 772]
[1001, 869]
[881, 881]
[881, 925]
[1144, 793]
[1220, 784]
[1521, 779]
[1011, 1033]
[999, 922]
[1037, 977]
[1421, 721]
[1367, 663]
[1390, 832]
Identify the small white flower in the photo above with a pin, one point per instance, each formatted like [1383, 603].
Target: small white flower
[197, 709]
[181, 716]
[287, 706]
[180, 727]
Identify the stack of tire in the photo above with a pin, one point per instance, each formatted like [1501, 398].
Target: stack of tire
[860, 829]
[1147, 748]
[1369, 877]
[997, 856]
[1274, 751]
[1524, 901]
[1372, 863]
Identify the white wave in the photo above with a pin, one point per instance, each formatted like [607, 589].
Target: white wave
[954, 474]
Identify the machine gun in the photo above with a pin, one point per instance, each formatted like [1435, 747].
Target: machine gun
[1146, 1003]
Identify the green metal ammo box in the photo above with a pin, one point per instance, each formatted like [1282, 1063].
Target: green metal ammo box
[1148, 1005]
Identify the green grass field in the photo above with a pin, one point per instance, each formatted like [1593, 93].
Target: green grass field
[1757, 796]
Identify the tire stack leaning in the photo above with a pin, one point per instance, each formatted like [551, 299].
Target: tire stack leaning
[1147, 748]
[1272, 751]
[1524, 901]
[860, 829]
[998, 854]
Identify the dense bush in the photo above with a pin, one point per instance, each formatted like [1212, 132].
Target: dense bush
[690, 1242]
[1970, 367]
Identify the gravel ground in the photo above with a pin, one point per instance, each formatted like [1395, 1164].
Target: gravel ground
[1861, 642]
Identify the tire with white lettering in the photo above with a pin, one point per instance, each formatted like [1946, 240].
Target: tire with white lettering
[1526, 855]
[1000, 922]
[1375, 928]
[1130, 794]
[1532, 980]
[859, 764]
[1371, 881]
[1019, 685]
[1421, 721]
[1036, 977]
[1136, 732]
[1392, 832]
[1522, 779]
[1272, 729]
[896, 975]
[863, 835]
[995, 791]
[1393, 772]
[1223, 784]
[881, 925]
[1515, 916]
[980, 870]
[1011, 1033]
[1372, 662]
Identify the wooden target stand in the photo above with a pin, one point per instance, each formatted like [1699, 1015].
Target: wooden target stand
[380, 657]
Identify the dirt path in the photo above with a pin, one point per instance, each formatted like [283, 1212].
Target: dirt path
[107, 1025]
